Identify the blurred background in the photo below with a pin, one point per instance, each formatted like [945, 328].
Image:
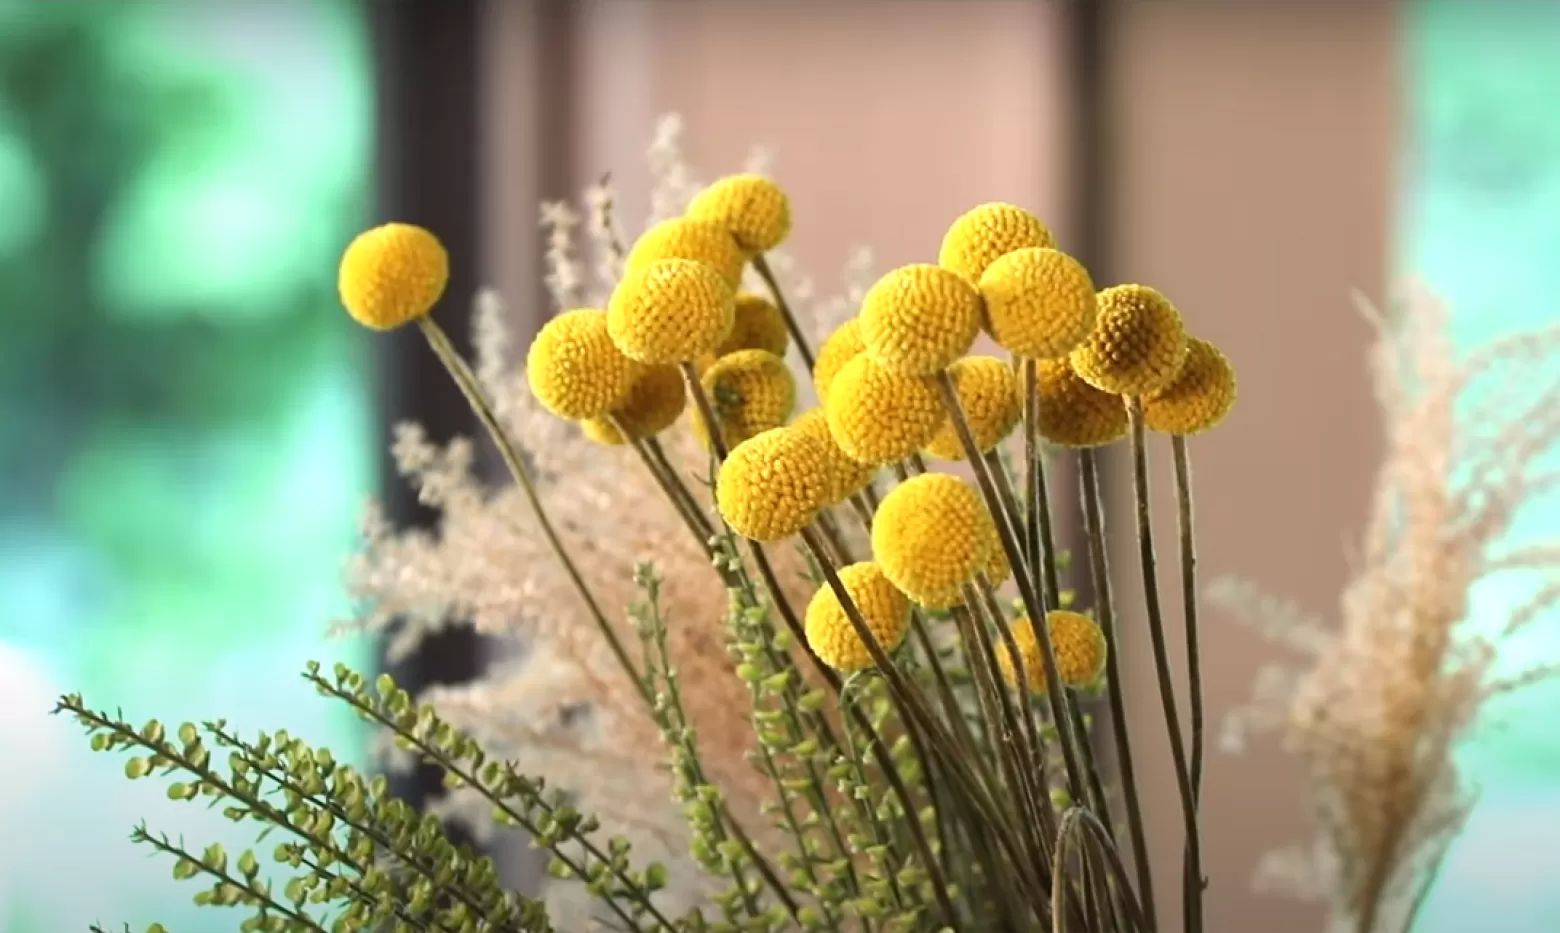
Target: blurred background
[189, 427]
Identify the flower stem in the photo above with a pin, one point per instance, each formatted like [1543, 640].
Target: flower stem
[706, 411]
[761, 266]
[1191, 907]
[1183, 502]
[1104, 601]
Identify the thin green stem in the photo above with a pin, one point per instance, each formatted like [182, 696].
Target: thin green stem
[1188, 541]
[761, 266]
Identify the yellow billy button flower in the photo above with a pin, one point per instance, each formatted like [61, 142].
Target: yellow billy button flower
[758, 325]
[1138, 343]
[1074, 413]
[751, 390]
[881, 416]
[833, 638]
[989, 394]
[392, 275]
[997, 569]
[929, 535]
[1040, 303]
[574, 368]
[918, 319]
[840, 348]
[772, 484]
[654, 404]
[686, 238]
[847, 476]
[1076, 639]
[984, 233]
[753, 208]
[1200, 397]
[670, 311]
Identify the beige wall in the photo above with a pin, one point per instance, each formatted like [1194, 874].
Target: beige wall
[1250, 183]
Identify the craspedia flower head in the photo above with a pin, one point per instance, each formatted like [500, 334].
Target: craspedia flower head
[919, 319]
[757, 325]
[929, 537]
[772, 484]
[880, 416]
[1073, 413]
[997, 569]
[574, 368]
[829, 631]
[1200, 397]
[1138, 342]
[751, 391]
[983, 233]
[670, 311]
[654, 403]
[753, 208]
[1040, 303]
[1077, 641]
[840, 348]
[392, 275]
[688, 238]
[847, 476]
[988, 393]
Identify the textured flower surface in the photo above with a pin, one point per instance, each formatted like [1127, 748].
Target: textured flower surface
[842, 346]
[930, 537]
[392, 275]
[988, 393]
[883, 608]
[918, 319]
[1039, 303]
[1074, 413]
[576, 370]
[1200, 397]
[983, 234]
[1138, 343]
[691, 239]
[757, 325]
[752, 207]
[751, 391]
[847, 475]
[880, 416]
[654, 404]
[772, 484]
[670, 311]
[1076, 639]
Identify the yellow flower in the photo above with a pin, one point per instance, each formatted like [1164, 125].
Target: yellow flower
[1074, 413]
[772, 484]
[654, 403]
[929, 536]
[1138, 343]
[759, 325]
[880, 416]
[752, 207]
[997, 568]
[1077, 641]
[574, 368]
[1200, 397]
[918, 319]
[695, 240]
[829, 631]
[1040, 303]
[392, 275]
[670, 311]
[989, 394]
[847, 476]
[840, 348]
[983, 233]
[751, 391]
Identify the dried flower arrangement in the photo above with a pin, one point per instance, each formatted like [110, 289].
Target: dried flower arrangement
[862, 732]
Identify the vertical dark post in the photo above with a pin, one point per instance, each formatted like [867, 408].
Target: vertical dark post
[426, 86]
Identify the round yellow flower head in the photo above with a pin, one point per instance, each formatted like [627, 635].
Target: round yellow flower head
[881, 416]
[687, 238]
[1200, 397]
[829, 631]
[1074, 413]
[847, 476]
[751, 391]
[1040, 303]
[983, 233]
[772, 484]
[574, 368]
[758, 325]
[918, 319]
[989, 394]
[654, 404]
[1078, 642]
[392, 275]
[840, 348]
[670, 311]
[929, 536]
[753, 208]
[1138, 343]
[997, 568]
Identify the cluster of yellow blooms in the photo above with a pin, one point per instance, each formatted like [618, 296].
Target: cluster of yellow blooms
[678, 321]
